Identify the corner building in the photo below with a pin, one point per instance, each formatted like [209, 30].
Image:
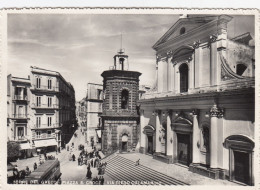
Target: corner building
[53, 109]
[119, 117]
[202, 112]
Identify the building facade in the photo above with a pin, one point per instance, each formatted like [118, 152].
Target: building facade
[18, 113]
[81, 113]
[202, 112]
[120, 117]
[52, 108]
[94, 101]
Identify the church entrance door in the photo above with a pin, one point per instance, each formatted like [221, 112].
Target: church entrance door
[241, 169]
[150, 144]
[183, 149]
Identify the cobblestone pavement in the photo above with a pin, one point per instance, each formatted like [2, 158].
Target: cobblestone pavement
[175, 170]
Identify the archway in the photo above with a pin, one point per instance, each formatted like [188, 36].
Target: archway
[240, 158]
[150, 132]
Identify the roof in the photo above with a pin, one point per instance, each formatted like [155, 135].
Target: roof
[190, 22]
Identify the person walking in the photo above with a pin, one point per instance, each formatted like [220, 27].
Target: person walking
[89, 174]
[79, 160]
[35, 166]
[102, 180]
[73, 157]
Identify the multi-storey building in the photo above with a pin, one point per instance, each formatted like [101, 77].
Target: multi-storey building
[202, 113]
[53, 105]
[94, 102]
[81, 113]
[18, 113]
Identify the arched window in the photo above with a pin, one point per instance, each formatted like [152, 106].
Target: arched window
[184, 77]
[241, 69]
[124, 99]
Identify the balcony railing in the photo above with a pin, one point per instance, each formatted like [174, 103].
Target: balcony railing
[20, 116]
[45, 106]
[46, 126]
[21, 138]
[45, 88]
[20, 97]
[44, 136]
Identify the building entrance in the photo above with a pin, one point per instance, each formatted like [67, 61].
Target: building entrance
[124, 146]
[241, 167]
[183, 149]
[150, 145]
[124, 143]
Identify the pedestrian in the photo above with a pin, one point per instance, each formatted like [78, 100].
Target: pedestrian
[102, 180]
[73, 157]
[91, 162]
[89, 174]
[137, 162]
[79, 160]
[59, 181]
[35, 166]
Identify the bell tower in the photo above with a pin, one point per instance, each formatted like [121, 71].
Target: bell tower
[120, 119]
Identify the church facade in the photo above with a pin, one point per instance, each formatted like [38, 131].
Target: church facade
[201, 113]
[120, 119]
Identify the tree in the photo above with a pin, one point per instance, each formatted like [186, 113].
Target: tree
[13, 150]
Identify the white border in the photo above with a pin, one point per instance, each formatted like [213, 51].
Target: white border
[3, 74]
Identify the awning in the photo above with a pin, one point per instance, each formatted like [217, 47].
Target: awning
[25, 146]
[45, 143]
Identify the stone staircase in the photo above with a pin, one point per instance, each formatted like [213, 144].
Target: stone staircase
[122, 169]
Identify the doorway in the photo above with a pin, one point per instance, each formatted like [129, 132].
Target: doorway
[241, 167]
[150, 144]
[124, 146]
[124, 143]
[183, 149]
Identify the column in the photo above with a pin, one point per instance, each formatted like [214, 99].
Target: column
[169, 75]
[157, 133]
[169, 143]
[195, 138]
[215, 113]
[191, 72]
[160, 76]
[142, 135]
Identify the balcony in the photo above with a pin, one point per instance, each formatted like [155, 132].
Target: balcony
[21, 138]
[45, 106]
[45, 88]
[44, 136]
[20, 97]
[45, 126]
[20, 116]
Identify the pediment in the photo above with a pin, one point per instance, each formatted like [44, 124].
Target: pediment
[188, 24]
[181, 121]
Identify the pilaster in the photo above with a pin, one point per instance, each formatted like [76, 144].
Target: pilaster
[216, 113]
[169, 143]
[195, 138]
[158, 126]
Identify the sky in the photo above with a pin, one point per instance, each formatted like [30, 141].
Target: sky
[82, 46]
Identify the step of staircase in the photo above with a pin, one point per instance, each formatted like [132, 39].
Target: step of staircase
[122, 169]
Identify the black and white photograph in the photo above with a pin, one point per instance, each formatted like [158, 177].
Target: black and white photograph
[130, 98]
